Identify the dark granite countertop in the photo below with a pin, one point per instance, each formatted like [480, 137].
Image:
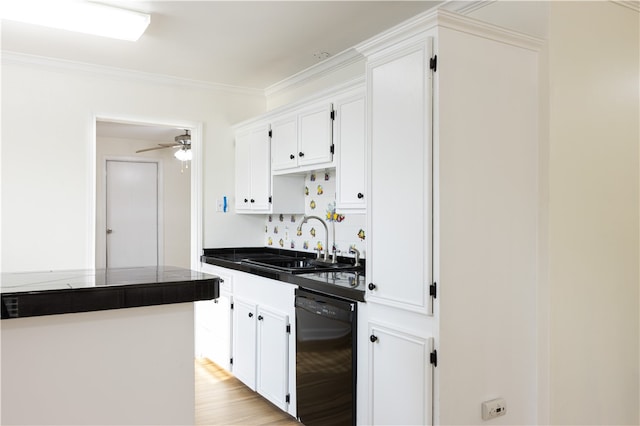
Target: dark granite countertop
[26, 294]
[346, 284]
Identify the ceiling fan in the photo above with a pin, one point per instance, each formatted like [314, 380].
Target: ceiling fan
[182, 141]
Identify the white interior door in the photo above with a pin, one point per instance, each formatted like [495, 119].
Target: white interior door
[132, 214]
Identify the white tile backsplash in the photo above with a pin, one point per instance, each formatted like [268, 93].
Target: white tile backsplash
[281, 230]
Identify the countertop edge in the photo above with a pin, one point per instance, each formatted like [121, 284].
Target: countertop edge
[88, 299]
[307, 283]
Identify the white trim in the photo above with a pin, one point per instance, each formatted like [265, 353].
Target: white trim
[14, 58]
[476, 27]
[326, 67]
[196, 215]
[631, 4]
[465, 7]
[422, 23]
[339, 89]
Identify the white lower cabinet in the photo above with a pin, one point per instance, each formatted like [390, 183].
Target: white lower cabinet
[213, 322]
[272, 356]
[400, 376]
[263, 349]
[244, 342]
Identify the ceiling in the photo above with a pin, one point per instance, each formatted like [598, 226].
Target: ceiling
[252, 44]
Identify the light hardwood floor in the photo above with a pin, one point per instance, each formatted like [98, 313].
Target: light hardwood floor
[221, 399]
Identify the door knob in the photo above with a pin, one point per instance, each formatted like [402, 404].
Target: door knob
[360, 195]
[291, 157]
[250, 314]
[372, 286]
[373, 338]
[109, 230]
[301, 154]
[260, 317]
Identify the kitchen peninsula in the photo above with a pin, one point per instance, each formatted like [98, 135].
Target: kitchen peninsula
[72, 353]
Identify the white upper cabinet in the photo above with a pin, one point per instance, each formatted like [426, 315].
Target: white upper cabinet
[284, 150]
[256, 190]
[350, 141]
[315, 134]
[253, 172]
[302, 139]
[399, 87]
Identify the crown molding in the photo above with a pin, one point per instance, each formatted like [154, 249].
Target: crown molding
[631, 4]
[461, 23]
[314, 72]
[14, 58]
[349, 86]
[444, 18]
[465, 7]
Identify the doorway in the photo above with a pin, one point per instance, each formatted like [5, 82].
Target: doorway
[132, 214]
[178, 240]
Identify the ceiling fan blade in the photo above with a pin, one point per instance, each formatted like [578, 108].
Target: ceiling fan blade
[169, 145]
[153, 149]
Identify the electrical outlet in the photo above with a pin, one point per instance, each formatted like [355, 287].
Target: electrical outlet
[494, 408]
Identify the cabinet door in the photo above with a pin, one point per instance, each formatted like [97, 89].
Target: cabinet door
[219, 351]
[260, 170]
[315, 135]
[244, 342]
[350, 153]
[400, 184]
[273, 356]
[243, 170]
[284, 143]
[400, 377]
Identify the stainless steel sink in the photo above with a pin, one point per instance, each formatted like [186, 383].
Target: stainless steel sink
[298, 265]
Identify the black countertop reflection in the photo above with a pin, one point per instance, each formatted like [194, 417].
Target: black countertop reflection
[26, 294]
[349, 285]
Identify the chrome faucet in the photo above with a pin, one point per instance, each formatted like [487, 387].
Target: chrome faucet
[305, 218]
[353, 250]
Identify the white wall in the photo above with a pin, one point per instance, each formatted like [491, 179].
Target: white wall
[593, 213]
[176, 196]
[486, 152]
[47, 159]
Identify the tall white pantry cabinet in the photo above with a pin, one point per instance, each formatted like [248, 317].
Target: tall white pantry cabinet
[452, 146]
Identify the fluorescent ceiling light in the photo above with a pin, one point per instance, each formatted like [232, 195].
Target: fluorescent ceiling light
[79, 16]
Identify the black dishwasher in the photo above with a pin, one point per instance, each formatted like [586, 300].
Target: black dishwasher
[325, 359]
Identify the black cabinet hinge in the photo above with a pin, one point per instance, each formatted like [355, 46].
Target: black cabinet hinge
[231, 361]
[232, 306]
[332, 114]
[433, 63]
[270, 199]
[433, 358]
[332, 148]
[287, 398]
[289, 328]
[433, 290]
[270, 133]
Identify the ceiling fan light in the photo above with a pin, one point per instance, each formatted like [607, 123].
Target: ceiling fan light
[183, 154]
